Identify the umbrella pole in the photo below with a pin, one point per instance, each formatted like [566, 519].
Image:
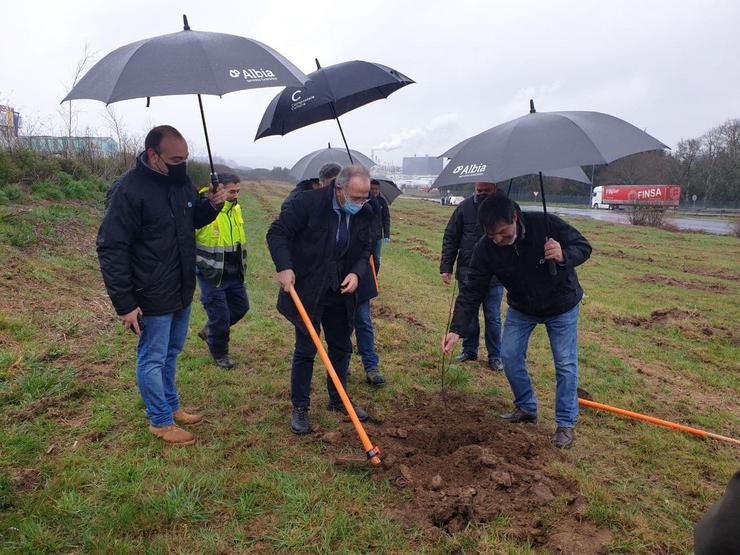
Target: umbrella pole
[214, 175]
[550, 263]
[372, 452]
[336, 117]
[508, 191]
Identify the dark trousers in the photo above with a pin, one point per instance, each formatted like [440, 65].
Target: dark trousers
[337, 329]
[225, 305]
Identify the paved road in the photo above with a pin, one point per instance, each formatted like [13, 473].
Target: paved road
[717, 226]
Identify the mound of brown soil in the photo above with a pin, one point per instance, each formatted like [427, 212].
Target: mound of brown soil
[463, 465]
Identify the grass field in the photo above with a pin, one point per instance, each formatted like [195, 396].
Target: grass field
[79, 472]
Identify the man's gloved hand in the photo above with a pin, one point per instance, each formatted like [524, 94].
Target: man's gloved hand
[386, 239]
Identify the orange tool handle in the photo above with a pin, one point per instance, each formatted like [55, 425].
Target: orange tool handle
[372, 452]
[658, 421]
[375, 274]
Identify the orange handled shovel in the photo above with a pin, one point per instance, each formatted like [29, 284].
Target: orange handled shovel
[653, 420]
[375, 274]
[372, 452]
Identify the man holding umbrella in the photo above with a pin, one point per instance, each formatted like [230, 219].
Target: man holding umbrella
[516, 250]
[461, 235]
[320, 244]
[146, 249]
[327, 172]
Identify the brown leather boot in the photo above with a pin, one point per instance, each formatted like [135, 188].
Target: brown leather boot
[173, 434]
[182, 417]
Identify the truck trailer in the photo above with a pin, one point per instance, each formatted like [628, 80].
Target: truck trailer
[612, 197]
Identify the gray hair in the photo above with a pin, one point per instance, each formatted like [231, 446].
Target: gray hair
[329, 171]
[347, 173]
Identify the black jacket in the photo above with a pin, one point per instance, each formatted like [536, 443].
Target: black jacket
[146, 242]
[382, 217]
[461, 235]
[523, 272]
[305, 185]
[303, 238]
[717, 531]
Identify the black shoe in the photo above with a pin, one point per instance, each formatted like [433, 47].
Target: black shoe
[203, 333]
[299, 423]
[518, 415]
[374, 377]
[464, 357]
[361, 414]
[496, 364]
[224, 362]
[562, 438]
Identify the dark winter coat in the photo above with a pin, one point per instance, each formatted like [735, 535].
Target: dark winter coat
[522, 270]
[461, 234]
[303, 238]
[382, 219]
[146, 242]
[717, 531]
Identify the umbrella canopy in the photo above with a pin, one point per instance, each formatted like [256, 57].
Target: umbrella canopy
[388, 189]
[186, 62]
[329, 92]
[542, 141]
[574, 174]
[308, 167]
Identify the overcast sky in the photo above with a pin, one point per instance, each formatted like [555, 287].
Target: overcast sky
[670, 67]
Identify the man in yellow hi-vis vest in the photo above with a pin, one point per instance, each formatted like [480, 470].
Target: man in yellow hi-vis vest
[221, 264]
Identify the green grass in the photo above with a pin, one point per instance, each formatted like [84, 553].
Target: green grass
[79, 471]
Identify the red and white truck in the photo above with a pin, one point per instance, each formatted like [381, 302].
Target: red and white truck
[613, 197]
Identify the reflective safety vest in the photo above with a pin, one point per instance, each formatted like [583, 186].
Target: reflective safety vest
[224, 234]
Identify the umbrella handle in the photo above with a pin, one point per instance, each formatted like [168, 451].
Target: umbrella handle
[371, 451]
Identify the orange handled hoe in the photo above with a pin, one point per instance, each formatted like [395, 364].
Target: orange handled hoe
[372, 452]
[658, 421]
[375, 274]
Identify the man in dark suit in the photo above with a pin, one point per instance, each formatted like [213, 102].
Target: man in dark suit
[320, 244]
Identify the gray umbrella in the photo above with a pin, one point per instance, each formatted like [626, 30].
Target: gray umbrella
[308, 167]
[330, 92]
[187, 62]
[542, 141]
[538, 142]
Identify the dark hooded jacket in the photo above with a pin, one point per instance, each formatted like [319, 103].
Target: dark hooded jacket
[146, 242]
[461, 234]
[522, 270]
[303, 238]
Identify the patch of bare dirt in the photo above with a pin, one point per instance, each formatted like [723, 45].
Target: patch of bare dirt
[685, 284]
[721, 274]
[659, 316]
[464, 466]
[386, 312]
[420, 247]
[26, 479]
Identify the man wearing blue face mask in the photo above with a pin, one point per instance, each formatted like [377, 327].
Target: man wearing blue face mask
[146, 250]
[320, 244]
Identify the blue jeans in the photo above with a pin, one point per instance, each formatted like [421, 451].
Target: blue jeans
[365, 334]
[225, 306]
[161, 340]
[377, 247]
[337, 330]
[563, 333]
[492, 317]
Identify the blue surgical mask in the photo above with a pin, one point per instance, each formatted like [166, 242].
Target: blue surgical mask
[351, 208]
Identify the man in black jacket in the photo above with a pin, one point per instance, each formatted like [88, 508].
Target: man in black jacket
[381, 223]
[516, 250]
[320, 244]
[461, 235]
[146, 249]
[327, 172]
